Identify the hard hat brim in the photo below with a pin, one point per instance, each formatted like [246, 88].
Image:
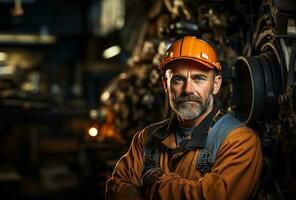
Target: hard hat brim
[165, 64]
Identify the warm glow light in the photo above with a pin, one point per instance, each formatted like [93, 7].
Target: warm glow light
[105, 96]
[111, 52]
[27, 38]
[93, 131]
[93, 114]
[3, 56]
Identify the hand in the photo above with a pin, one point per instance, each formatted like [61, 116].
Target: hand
[151, 172]
[150, 177]
[149, 163]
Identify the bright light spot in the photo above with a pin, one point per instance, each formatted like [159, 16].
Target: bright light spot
[28, 38]
[3, 56]
[93, 114]
[105, 96]
[93, 131]
[111, 52]
[123, 76]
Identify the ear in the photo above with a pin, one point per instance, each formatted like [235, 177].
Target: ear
[165, 85]
[217, 84]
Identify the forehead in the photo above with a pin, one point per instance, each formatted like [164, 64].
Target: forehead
[185, 66]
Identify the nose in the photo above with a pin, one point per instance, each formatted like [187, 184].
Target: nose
[188, 87]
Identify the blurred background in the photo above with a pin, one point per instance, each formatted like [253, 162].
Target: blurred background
[79, 78]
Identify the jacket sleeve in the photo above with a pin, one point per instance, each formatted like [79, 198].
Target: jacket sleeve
[235, 174]
[125, 180]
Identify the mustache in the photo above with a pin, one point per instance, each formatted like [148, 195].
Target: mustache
[186, 98]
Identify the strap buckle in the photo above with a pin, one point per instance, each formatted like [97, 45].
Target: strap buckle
[205, 161]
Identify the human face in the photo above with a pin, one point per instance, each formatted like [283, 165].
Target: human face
[190, 88]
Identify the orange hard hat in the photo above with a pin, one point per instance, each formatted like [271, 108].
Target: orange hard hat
[191, 48]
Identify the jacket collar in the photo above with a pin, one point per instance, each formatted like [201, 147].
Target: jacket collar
[166, 132]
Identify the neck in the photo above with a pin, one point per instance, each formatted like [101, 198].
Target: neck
[195, 122]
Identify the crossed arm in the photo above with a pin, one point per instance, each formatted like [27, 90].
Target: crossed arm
[235, 174]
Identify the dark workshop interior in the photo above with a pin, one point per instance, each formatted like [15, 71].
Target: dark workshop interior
[79, 78]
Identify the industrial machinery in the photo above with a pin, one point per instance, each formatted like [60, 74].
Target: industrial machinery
[60, 99]
[256, 42]
[264, 93]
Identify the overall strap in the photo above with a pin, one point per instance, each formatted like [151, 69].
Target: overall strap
[151, 152]
[150, 149]
[207, 156]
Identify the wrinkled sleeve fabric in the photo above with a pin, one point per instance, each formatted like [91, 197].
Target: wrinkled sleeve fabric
[235, 175]
[125, 180]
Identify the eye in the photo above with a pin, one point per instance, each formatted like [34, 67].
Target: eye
[199, 78]
[177, 80]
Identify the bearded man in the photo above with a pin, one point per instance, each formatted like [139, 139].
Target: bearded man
[199, 153]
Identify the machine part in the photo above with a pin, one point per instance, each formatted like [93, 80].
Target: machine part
[266, 42]
[283, 14]
[256, 87]
[177, 8]
[136, 99]
[182, 28]
[260, 77]
[264, 95]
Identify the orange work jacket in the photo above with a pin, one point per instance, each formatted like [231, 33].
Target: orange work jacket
[234, 176]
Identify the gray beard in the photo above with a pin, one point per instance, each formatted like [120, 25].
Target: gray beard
[191, 110]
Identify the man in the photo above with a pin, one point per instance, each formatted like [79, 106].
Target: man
[201, 152]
